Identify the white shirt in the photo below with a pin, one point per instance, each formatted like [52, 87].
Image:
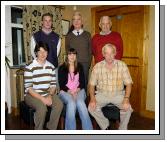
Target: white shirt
[76, 32]
[102, 33]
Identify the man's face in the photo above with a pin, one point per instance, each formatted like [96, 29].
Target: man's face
[105, 25]
[47, 22]
[77, 22]
[42, 54]
[109, 55]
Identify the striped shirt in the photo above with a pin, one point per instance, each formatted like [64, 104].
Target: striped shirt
[110, 81]
[39, 77]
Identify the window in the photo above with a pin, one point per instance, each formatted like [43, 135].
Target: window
[17, 36]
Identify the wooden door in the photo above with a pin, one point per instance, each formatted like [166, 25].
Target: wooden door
[129, 22]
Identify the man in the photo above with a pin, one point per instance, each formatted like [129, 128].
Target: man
[80, 40]
[40, 85]
[109, 76]
[104, 37]
[48, 36]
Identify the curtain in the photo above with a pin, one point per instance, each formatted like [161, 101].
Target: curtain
[32, 16]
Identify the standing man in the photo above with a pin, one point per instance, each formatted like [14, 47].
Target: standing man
[48, 36]
[109, 76]
[80, 40]
[104, 37]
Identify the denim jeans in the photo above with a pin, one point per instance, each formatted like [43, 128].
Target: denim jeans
[71, 107]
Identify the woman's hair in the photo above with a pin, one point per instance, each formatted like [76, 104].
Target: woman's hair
[41, 45]
[72, 51]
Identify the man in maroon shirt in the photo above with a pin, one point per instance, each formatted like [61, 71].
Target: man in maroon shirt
[104, 37]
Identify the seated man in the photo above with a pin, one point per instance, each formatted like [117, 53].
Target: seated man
[109, 76]
[40, 85]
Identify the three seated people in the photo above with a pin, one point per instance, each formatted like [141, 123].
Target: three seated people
[109, 76]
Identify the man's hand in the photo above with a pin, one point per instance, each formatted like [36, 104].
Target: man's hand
[47, 100]
[92, 104]
[125, 104]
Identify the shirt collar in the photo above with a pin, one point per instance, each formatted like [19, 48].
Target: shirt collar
[80, 31]
[102, 33]
[36, 63]
[114, 62]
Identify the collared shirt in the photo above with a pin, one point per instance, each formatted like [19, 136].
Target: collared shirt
[39, 77]
[102, 33]
[76, 32]
[110, 81]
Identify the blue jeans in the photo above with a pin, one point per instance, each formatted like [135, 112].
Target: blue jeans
[71, 106]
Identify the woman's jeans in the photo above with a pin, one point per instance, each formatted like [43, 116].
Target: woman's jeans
[76, 104]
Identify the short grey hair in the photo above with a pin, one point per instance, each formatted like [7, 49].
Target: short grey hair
[109, 45]
[77, 13]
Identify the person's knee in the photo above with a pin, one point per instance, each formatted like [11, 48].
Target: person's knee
[57, 103]
[42, 109]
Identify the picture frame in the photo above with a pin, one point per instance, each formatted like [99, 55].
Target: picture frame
[65, 26]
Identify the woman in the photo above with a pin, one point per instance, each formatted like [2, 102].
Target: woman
[72, 92]
[80, 40]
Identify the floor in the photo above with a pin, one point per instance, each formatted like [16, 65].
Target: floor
[136, 123]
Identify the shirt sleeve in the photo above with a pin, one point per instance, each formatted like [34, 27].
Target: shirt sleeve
[28, 81]
[53, 81]
[94, 76]
[33, 43]
[119, 44]
[58, 47]
[126, 75]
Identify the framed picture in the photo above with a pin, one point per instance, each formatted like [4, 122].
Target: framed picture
[65, 26]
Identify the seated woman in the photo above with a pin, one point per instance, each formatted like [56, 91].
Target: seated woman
[72, 92]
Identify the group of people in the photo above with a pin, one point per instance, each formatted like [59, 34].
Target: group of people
[110, 80]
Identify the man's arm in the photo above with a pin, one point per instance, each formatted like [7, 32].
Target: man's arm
[52, 90]
[46, 100]
[33, 43]
[92, 103]
[126, 103]
[128, 90]
[33, 93]
[58, 47]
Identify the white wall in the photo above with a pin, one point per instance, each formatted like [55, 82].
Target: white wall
[8, 33]
[8, 53]
[150, 100]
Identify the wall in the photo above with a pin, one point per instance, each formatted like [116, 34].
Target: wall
[150, 101]
[8, 53]
[86, 14]
[85, 11]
